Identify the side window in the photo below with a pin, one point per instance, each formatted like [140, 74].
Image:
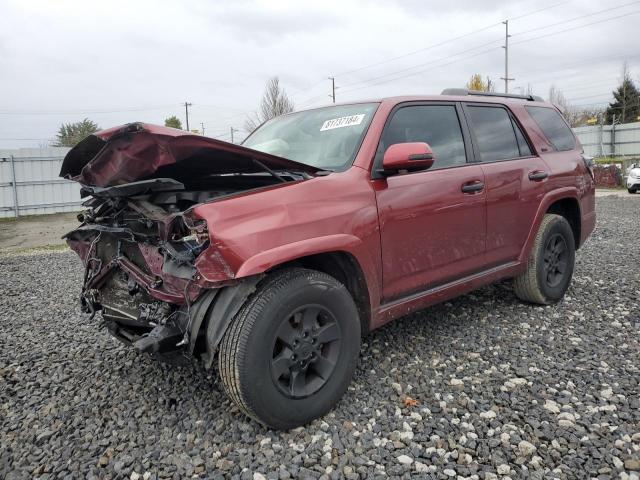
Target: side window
[553, 127]
[494, 133]
[437, 125]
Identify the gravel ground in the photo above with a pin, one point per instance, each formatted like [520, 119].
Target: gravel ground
[479, 387]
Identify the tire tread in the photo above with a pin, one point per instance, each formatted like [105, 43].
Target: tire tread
[526, 285]
[232, 351]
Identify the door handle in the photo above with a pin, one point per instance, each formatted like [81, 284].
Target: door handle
[472, 187]
[538, 175]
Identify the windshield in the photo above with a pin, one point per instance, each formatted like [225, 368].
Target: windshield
[326, 138]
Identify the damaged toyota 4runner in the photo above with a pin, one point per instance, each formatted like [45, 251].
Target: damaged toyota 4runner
[269, 260]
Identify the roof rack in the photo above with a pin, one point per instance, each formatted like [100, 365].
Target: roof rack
[466, 91]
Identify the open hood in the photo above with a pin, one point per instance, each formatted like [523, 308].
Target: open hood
[139, 151]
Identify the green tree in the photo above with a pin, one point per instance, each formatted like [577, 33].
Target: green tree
[476, 83]
[626, 104]
[275, 102]
[70, 134]
[173, 122]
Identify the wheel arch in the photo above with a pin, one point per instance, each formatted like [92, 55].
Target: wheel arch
[341, 256]
[569, 208]
[562, 201]
[345, 257]
[344, 267]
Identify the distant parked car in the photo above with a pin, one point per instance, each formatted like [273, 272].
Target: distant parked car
[633, 178]
[271, 259]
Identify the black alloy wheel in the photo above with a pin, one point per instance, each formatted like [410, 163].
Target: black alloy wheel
[290, 352]
[305, 351]
[550, 263]
[556, 259]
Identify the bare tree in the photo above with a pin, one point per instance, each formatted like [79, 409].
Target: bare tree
[559, 100]
[275, 102]
[574, 115]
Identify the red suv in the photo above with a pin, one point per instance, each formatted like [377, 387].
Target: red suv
[273, 258]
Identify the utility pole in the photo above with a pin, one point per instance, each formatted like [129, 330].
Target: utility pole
[202, 125]
[506, 57]
[233, 130]
[186, 113]
[333, 89]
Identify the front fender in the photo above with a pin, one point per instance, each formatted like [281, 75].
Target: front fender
[267, 259]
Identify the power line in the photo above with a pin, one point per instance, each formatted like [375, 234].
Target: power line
[575, 28]
[544, 27]
[590, 96]
[374, 79]
[5, 138]
[540, 10]
[431, 62]
[459, 37]
[306, 89]
[89, 112]
[591, 60]
[421, 71]
[419, 50]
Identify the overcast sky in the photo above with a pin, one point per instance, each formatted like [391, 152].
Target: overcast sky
[121, 61]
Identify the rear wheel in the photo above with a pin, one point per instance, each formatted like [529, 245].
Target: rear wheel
[550, 264]
[290, 352]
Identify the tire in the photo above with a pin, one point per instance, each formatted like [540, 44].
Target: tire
[631, 190]
[270, 369]
[548, 273]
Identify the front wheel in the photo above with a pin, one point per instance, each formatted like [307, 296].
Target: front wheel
[291, 351]
[550, 264]
[631, 190]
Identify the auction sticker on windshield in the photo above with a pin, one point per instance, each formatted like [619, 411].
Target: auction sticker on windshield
[348, 121]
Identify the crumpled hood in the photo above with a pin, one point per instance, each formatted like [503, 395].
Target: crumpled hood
[139, 151]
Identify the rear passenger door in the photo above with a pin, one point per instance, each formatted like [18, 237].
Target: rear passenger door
[432, 222]
[514, 178]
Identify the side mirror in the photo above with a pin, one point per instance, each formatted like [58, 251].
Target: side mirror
[410, 156]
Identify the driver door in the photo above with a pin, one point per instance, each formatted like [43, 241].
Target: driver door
[433, 226]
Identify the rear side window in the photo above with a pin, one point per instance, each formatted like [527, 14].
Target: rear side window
[437, 125]
[554, 127]
[494, 133]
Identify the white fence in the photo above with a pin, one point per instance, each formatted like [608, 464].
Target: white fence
[609, 140]
[29, 183]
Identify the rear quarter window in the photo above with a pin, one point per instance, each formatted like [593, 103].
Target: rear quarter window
[554, 127]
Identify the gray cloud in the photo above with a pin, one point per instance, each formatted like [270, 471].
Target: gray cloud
[122, 61]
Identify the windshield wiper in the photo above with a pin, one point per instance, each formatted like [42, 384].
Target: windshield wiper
[267, 169]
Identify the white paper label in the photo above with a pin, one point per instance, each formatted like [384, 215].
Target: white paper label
[342, 122]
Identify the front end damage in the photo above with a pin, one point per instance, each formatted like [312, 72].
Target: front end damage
[140, 240]
[139, 268]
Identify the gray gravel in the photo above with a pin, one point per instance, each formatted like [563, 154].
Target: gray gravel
[503, 389]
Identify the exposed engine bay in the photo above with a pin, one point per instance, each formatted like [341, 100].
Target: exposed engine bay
[139, 240]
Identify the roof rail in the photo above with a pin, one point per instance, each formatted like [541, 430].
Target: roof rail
[466, 91]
